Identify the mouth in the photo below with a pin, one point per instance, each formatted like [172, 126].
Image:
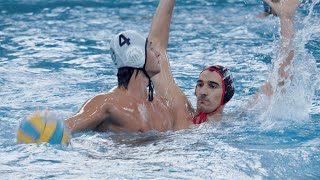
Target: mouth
[202, 101]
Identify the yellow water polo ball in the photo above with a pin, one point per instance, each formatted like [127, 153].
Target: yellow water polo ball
[39, 129]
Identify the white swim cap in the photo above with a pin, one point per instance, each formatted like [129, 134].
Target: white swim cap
[128, 49]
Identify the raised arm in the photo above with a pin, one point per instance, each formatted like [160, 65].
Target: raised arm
[160, 26]
[159, 34]
[285, 9]
[164, 82]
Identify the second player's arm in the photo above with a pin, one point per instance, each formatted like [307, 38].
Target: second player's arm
[285, 10]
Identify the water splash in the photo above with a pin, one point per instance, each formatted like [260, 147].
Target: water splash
[290, 104]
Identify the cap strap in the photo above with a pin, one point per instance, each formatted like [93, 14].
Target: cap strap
[201, 116]
[150, 85]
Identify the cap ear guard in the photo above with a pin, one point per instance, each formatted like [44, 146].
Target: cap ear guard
[134, 56]
[228, 82]
[229, 88]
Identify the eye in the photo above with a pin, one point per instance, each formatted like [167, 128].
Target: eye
[213, 86]
[199, 84]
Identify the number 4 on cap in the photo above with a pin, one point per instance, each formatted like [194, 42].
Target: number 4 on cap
[123, 40]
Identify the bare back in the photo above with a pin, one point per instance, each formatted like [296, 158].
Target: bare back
[132, 114]
[121, 111]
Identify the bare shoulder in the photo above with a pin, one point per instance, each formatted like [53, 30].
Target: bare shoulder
[99, 100]
[93, 112]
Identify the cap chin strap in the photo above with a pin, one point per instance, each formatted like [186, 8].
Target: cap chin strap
[150, 85]
[201, 117]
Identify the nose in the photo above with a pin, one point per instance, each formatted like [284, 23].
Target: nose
[203, 91]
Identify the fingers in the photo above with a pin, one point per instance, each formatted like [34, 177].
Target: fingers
[274, 13]
[270, 2]
[262, 15]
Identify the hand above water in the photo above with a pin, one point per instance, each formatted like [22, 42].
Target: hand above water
[283, 8]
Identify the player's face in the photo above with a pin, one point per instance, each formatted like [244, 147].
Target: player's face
[208, 91]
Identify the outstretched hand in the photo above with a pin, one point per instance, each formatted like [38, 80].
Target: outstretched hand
[283, 8]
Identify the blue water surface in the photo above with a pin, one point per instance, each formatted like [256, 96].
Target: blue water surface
[55, 55]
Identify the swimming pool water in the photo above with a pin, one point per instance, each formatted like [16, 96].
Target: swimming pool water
[55, 55]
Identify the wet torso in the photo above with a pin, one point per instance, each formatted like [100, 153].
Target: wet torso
[128, 113]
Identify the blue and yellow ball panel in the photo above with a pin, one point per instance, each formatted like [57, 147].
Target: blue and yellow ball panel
[37, 130]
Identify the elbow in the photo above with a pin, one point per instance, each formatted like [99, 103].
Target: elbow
[266, 89]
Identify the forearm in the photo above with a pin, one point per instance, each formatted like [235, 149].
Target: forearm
[286, 48]
[159, 33]
[88, 119]
[76, 124]
[160, 26]
[285, 10]
[287, 30]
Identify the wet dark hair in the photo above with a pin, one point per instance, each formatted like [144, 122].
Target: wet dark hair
[124, 74]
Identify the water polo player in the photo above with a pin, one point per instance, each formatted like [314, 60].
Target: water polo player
[215, 84]
[213, 90]
[130, 107]
[210, 104]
